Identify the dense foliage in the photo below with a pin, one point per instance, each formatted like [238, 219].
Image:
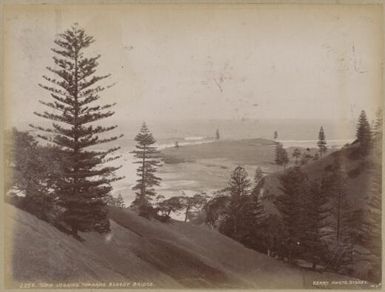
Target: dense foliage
[363, 133]
[317, 223]
[322, 144]
[33, 173]
[85, 181]
[281, 156]
[148, 159]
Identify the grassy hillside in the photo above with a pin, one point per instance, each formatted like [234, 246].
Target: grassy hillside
[137, 250]
[357, 171]
[242, 151]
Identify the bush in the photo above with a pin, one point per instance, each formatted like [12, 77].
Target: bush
[147, 212]
[163, 218]
[354, 172]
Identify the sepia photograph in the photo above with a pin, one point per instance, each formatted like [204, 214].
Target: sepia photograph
[181, 145]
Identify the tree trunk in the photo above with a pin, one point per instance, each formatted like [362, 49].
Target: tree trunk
[235, 224]
[186, 214]
[143, 190]
[338, 217]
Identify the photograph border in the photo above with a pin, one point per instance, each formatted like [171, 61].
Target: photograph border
[34, 3]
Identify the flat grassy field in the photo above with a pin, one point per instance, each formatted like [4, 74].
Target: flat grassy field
[247, 151]
[207, 167]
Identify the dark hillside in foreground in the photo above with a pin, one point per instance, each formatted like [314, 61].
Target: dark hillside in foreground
[172, 255]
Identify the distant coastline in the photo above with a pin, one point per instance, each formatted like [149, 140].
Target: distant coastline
[313, 143]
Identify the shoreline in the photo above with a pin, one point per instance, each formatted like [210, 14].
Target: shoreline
[201, 166]
[186, 143]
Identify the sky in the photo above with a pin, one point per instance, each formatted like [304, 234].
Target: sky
[175, 62]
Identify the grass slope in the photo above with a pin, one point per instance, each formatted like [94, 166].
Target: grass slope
[169, 255]
[357, 171]
[247, 151]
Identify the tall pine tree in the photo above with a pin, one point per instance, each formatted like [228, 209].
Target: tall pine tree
[281, 156]
[217, 134]
[294, 185]
[238, 187]
[377, 134]
[372, 226]
[253, 218]
[296, 154]
[120, 202]
[337, 192]
[363, 133]
[258, 175]
[322, 142]
[316, 214]
[148, 159]
[340, 221]
[86, 181]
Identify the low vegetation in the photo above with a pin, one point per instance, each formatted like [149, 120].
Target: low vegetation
[319, 221]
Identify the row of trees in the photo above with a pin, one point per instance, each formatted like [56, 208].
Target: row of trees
[323, 227]
[36, 170]
[148, 160]
[237, 210]
[282, 157]
[366, 136]
[191, 205]
[67, 180]
[318, 222]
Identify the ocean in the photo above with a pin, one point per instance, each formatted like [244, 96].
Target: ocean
[291, 133]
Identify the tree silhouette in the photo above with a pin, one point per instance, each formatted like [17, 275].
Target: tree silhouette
[371, 227]
[294, 186]
[275, 135]
[296, 154]
[74, 91]
[169, 205]
[217, 135]
[33, 171]
[148, 160]
[238, 187]
[363, 133]
[377, 133]
[189, 203]
[281, 156]
[321, 142]
[258, 175]
[120, 202]
[316, 211]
